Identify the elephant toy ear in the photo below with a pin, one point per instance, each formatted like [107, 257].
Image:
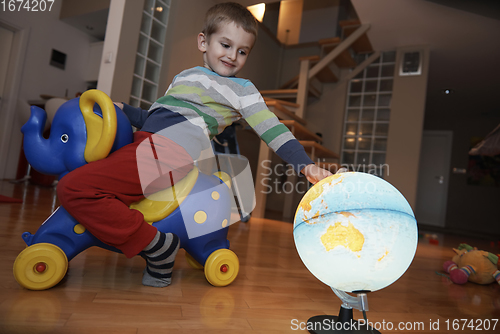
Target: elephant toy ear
[101, 132]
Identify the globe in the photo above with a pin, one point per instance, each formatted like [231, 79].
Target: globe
[355, 232]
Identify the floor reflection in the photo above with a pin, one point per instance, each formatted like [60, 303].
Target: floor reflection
[40, 311]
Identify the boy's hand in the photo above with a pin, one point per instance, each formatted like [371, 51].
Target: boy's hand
[314, 173]
[119, 105]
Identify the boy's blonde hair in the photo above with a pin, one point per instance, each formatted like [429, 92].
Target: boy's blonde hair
[229, 12]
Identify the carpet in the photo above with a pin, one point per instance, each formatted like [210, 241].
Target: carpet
[5, 199]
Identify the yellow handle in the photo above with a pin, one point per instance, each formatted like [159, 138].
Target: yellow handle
[101, 132]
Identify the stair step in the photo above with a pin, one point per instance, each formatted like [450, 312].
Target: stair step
[300, 131]
[362, 44]
[279, 93]
[344, 60]
[290, 105]
[317, 150]
[283, 113]
[326, 74]
[290, 94]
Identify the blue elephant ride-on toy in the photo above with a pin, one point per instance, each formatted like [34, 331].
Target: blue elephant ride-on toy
[198, 209]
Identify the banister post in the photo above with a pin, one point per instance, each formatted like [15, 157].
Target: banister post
[262, 180]
[303, 87]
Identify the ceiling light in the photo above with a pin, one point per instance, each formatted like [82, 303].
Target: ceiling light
[258, 11]
[448, 91]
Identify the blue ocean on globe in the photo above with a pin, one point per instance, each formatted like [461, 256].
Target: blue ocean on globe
[355, 231]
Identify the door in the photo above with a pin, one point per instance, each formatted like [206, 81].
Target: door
[434, 171]
[13, 45]
[6, 37]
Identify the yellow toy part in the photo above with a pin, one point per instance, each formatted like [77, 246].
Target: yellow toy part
[478, 260]
[160, 204]
[40, 266]
[224, 177]
[192, 262]
[473, 265]
[101, 132]
[222, 267]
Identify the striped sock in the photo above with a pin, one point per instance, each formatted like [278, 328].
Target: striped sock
[160, 256]
[496, 275]
[449, 266]
[468, 270]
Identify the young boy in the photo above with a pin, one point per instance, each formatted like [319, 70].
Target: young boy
[198, 105]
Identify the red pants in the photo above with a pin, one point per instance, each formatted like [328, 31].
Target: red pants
[98, 194]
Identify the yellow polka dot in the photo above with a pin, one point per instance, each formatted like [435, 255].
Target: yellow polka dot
[215, 195]
[79, 228]
[200, 217]
[224, 223]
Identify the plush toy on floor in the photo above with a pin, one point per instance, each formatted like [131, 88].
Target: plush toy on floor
[471, 264]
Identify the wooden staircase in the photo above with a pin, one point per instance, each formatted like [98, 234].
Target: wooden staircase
[289, 103]
[361, 44]
[311, 141]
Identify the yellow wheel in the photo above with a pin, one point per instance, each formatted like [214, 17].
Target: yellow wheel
[192, 262]
[40, 266]
[221, 267]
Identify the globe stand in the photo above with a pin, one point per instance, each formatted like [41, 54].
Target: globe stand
[343, 323]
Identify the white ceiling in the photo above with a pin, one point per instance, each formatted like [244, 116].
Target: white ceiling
[465, 45]
[93, 23]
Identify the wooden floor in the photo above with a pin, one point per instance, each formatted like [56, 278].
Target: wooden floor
[274, 292]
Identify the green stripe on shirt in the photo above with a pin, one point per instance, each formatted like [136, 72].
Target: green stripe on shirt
[209, 120]
[273, 132]
[259, 117]
[207, 100]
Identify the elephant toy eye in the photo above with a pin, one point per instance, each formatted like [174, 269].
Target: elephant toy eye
[64, 138]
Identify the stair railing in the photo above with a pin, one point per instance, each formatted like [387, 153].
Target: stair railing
[306, 73]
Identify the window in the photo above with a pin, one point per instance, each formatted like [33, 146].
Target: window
[367, 116]
[149, 53]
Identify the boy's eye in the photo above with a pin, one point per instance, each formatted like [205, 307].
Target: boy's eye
[243, 53]
[226, 46]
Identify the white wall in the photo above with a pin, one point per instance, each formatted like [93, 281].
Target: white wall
[47, 32]
[44, 33]
[319, 23]
[406, 126]
[181, 52]
[116, 70]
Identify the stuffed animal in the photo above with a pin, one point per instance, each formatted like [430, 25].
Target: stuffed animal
[471, 264]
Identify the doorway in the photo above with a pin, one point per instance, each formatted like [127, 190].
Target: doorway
[13, 45]
[433, 177]
[6, 37]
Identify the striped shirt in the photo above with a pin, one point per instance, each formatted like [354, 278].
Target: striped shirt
[212, 102]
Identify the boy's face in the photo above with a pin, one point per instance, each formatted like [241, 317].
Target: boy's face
[226, 51]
